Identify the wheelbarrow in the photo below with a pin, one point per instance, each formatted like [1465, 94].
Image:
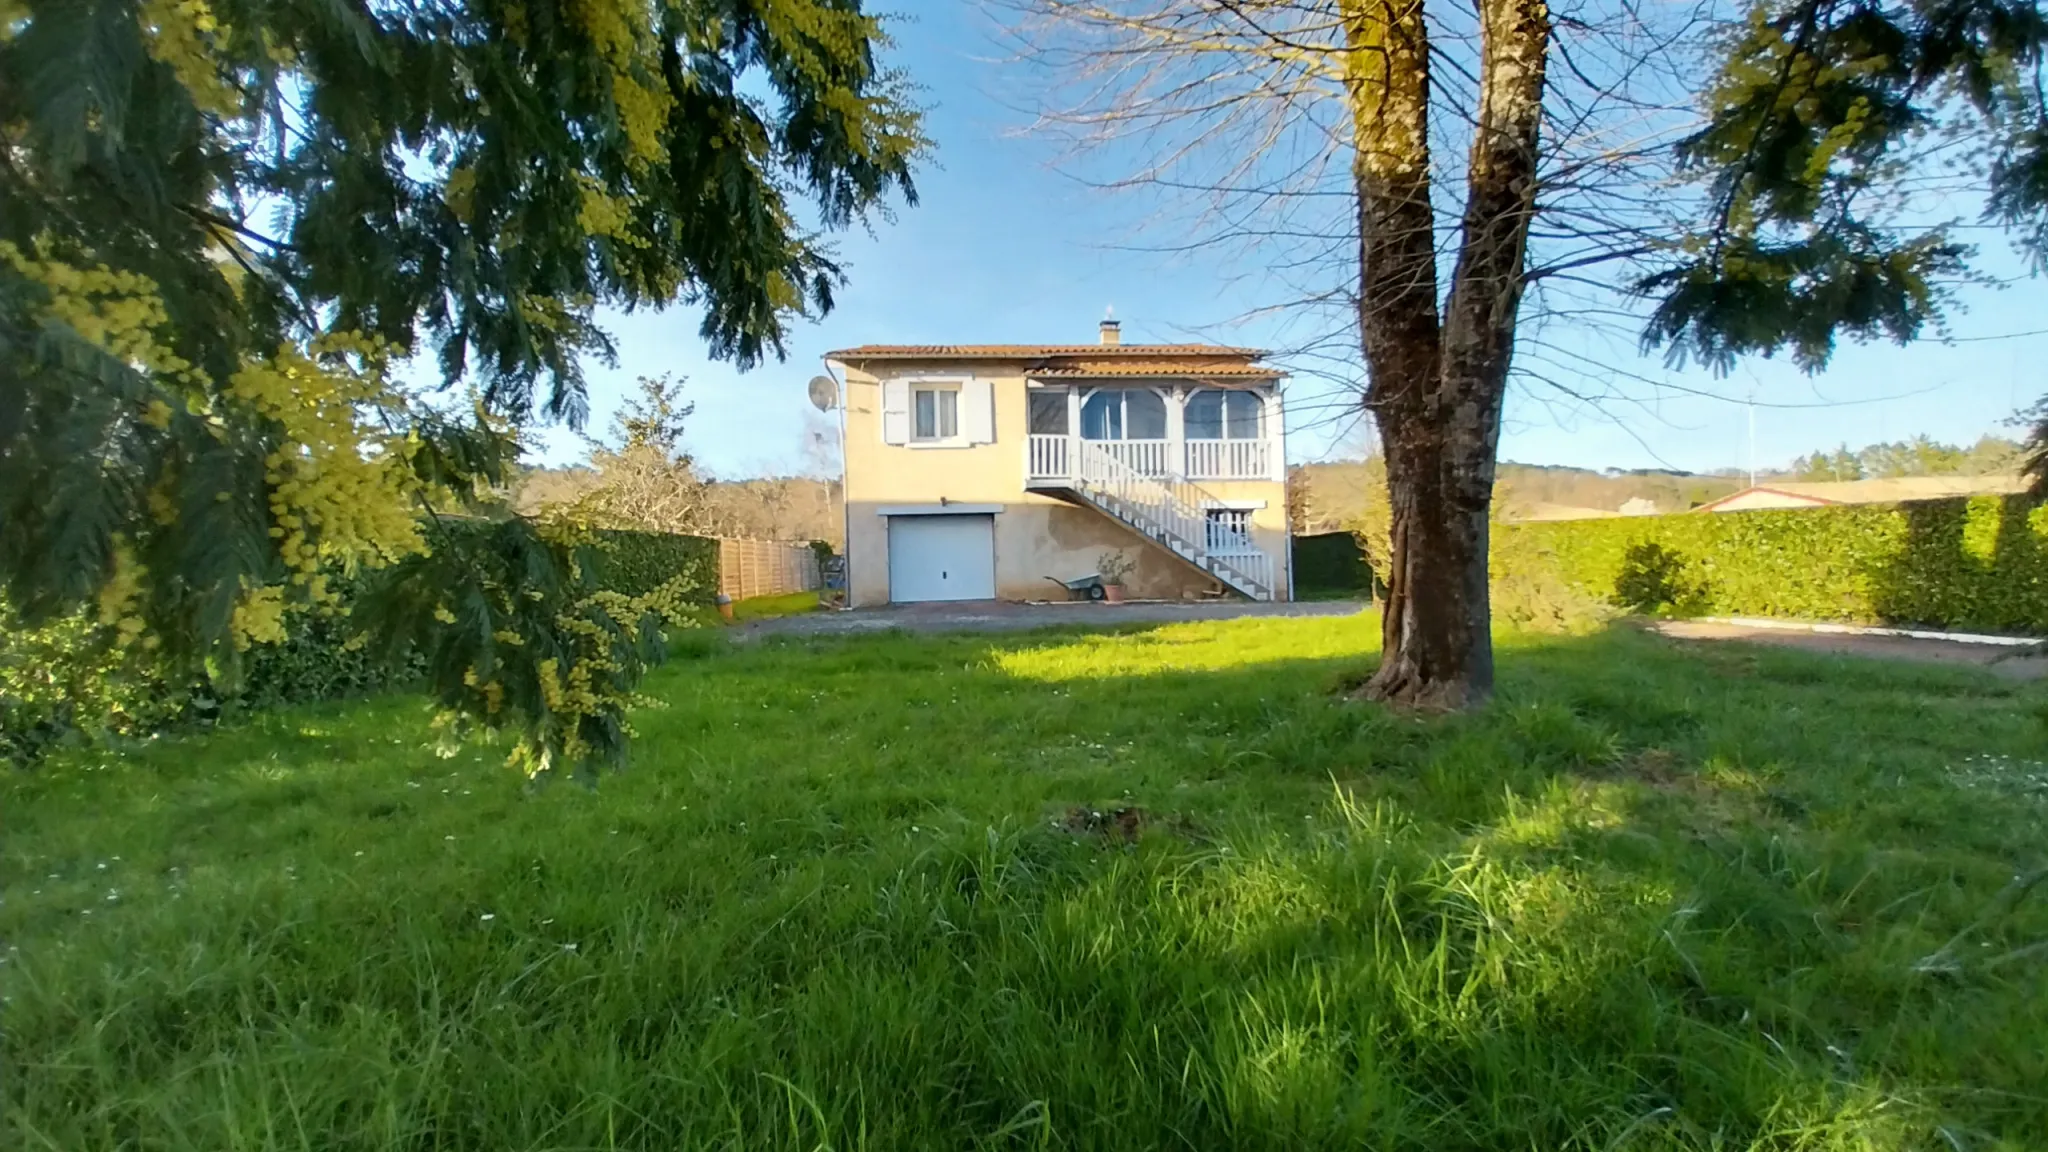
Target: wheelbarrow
[1087, 587]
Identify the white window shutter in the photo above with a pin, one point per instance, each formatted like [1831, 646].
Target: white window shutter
[977, 412]
[895, 412]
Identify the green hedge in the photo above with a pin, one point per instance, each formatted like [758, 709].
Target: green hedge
[67, 681]
[639, 562]
[1330, 563]
[1978, 563]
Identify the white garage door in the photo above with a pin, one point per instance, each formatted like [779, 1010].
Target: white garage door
[942, 558]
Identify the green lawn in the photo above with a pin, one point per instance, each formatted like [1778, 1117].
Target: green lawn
[757, 608]
[854, 894]
[770, 607]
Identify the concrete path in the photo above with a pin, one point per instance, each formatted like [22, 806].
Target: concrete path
[2002, 657]
[1004, 616]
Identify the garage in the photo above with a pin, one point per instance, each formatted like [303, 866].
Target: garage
[942, 558]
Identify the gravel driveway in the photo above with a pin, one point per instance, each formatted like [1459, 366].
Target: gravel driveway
[1007, 616]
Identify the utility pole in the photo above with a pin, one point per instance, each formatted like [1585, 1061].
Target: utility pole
[1752, 435]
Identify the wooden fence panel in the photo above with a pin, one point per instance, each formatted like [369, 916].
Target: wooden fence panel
[749, 568]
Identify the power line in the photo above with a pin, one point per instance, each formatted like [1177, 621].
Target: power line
[2001, 336]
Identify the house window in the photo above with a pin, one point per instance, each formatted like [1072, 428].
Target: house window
[1048, 413]
[936, 413]
[1215, 414]
[1230, 531]
[1123, 414]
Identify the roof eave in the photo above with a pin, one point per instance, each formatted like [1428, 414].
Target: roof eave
[1715, 505]
[1110, 351]
[1183, 374]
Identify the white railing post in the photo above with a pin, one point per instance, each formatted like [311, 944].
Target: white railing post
[1276, 433]
[1047, 457]
[1229, 459]
[1174, 508]
[1174, 451]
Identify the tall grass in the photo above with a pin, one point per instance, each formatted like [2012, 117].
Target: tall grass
[855, 893]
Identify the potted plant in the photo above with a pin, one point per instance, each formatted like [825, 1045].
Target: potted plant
[1113, 567]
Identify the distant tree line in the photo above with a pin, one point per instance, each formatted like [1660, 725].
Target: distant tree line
[640, 478]
[1920, 456]
[1350, 495]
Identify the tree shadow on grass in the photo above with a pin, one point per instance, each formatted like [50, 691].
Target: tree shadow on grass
[1643, 892]
[1648, 898]
[1648, 895]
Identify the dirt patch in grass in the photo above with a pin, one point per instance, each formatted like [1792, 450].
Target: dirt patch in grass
[1123, 824]
[1116, 825]
[1659, 768]
[1711, 805]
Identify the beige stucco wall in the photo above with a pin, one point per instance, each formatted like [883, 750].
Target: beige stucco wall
[1036, 536]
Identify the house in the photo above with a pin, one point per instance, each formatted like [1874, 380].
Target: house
[1543, 512]
[1820, 494]
[984, 471]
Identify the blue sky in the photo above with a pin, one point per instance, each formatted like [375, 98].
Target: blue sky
[1005, 248]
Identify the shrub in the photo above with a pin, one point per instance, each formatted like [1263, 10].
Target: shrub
[1970, 563]
[316, 662]
[1526, 584]
[70, 681]
[1329, 563]
[639, 562]
[1529, 590]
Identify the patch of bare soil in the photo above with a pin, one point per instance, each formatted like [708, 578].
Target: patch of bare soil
[1659, 768]
[2017, 663]
[1117, 825]
[1713, 806]
[1123, 824]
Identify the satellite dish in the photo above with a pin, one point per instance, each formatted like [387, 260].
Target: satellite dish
[824, 392]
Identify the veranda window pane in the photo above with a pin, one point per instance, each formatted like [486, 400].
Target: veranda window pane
[1144, 414]
[1102, 416]
[1243, 412]
[1049, 413]
[1204, 419]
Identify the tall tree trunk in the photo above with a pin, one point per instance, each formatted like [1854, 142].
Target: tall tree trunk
[1436, 652]
[1437, 393]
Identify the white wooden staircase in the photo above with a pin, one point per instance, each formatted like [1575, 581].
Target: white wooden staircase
[1172, 513]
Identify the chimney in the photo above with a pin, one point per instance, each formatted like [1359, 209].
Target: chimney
[1112, 333]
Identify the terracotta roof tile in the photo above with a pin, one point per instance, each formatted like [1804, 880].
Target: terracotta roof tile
[1084, 361]
[1162, 367]
[1035, 351]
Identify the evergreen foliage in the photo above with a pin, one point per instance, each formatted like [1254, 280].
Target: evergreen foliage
[224, 222]
[644, 479]
[636, 563]
[1825, 119]
[1331, 564]
[1920, 456]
